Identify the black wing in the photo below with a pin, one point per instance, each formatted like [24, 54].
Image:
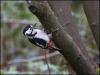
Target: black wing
[39, 42]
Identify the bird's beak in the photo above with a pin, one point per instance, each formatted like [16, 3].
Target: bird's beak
[34, 25]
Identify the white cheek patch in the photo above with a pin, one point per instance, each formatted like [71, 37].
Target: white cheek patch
[28, 32]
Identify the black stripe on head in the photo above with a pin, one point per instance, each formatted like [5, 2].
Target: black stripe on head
[26, 28]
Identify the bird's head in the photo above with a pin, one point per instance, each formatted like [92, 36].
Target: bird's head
[27, 31]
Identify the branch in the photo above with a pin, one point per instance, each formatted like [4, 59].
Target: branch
[70, 50]
[21, 22]
[91, 9]
[33, 59]
[62, 10]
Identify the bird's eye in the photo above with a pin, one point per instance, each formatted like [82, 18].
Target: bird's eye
[30, 28]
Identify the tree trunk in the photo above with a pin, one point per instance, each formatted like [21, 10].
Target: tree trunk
[70, 50]
[63, 12]
[91, 9]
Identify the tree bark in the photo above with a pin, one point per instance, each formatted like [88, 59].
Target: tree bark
[91, 9]
[70, 50]
[63, 12]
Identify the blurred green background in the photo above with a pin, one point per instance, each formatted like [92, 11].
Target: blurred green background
[15, 47]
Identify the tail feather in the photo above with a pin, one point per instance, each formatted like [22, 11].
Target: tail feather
[55, 49]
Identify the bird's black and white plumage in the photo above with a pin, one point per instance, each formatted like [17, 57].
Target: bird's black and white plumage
[38, 37]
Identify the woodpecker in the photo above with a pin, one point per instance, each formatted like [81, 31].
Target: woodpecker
[39, 38]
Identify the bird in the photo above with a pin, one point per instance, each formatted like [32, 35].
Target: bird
[39, 38]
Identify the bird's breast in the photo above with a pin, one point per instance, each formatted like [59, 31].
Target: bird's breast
[42, 36]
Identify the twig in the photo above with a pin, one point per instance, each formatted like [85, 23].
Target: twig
[21, 22]
[33, 59]
[46, 60]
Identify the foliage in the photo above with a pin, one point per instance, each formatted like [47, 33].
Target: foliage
[39, 67]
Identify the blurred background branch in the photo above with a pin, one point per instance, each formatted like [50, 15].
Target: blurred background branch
[50, 55]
